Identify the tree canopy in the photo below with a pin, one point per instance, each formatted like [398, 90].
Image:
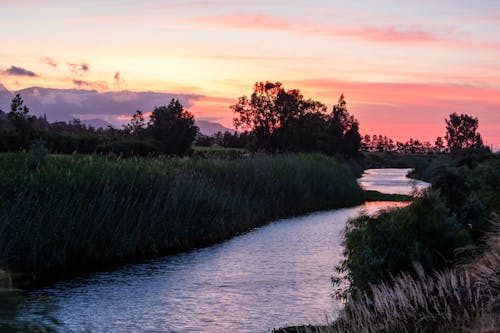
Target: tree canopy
[461, 132]
[283, 120]
[173, 127]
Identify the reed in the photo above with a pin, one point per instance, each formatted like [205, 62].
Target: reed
[75, 213]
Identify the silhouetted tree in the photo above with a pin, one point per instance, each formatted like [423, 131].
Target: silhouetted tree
[18, 115]
[137, 124]
[339, 123]
[273, 113]
[173, 127]
[461, 132]
[439, 145]
[352, 140]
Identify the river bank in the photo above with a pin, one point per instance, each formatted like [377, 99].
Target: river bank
[70, 214]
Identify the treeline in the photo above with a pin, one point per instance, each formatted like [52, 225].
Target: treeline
[273, 120]
[170, 130]
[380, 143]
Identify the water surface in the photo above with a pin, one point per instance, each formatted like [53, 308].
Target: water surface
[391, 181]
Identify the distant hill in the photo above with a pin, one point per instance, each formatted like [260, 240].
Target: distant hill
[210, 128]
[5, 98]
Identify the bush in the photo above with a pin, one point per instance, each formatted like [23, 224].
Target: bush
[129, 148]
[379, 247]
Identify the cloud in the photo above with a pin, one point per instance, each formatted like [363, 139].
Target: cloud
[265, 22]
[100, 85]
[49, 61]
[66, 104]
[79, 68]
[19, 71]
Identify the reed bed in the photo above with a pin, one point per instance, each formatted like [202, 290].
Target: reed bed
[72, 213]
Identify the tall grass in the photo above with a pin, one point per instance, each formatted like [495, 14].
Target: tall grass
[73, 213]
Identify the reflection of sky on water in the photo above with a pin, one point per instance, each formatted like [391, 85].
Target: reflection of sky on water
[390, 181]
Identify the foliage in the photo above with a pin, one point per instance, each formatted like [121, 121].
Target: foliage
[272, 113]
[377, 248]
[453, 214]
[173, 127]
[219, 152]
[137, 125]
[18, 114]
[78, 212]
[461, 132]
[283, 120]
[129, 148]
[461, 299]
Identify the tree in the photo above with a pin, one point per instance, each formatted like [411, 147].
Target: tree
[352, 141]
[439, 145]
[275, 115]
[461, 132]
[173, 127]
[137, 124]
[18, 115]
[341, 122]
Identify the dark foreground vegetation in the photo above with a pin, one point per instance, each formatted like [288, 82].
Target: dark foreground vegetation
[62, 214]
[433, 266]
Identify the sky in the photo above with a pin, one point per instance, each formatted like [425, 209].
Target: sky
[403, 66]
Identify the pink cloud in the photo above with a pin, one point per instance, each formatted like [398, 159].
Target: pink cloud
[266, 22]
[411, 35]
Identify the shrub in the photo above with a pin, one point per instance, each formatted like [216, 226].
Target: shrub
[128, 148]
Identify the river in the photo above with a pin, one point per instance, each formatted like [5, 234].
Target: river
[273, 276]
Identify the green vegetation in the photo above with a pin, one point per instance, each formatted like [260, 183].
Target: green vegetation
[432, 266]
[219, 152]
[61, 214]
[283, 121]
[401, 264]
[463, 299]
[452, 215]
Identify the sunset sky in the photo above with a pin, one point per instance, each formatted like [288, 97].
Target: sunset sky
[403, 66]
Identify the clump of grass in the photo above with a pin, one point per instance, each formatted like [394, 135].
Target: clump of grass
[75, 213]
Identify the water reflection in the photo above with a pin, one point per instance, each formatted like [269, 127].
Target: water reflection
[392, 181]
[274, 276]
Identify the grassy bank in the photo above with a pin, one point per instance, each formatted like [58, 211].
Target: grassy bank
[65, 214]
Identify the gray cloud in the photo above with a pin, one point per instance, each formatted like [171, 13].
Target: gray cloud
[19, 71]
[66, 104]
[79, 68]
[101, 85]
